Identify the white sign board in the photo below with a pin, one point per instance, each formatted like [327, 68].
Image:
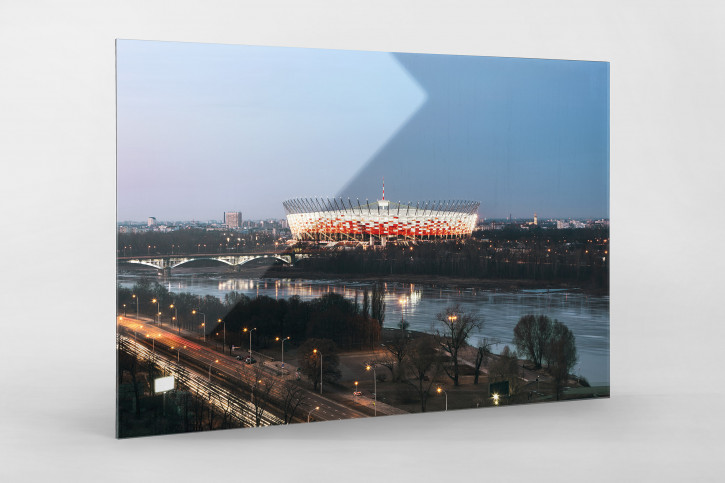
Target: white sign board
[163, 384]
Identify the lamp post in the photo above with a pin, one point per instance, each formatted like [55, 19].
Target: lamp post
[134, 296]
[375, 387]
[203, 324]
[286, 338]
[210, 368]
[158, 309]
[124, 310]
[316, 408]
[250, 341]
[153, 342]
[441, 390]
[354, 395]
[176, 317]
[224, 336]
[178, 349]
[315, 351]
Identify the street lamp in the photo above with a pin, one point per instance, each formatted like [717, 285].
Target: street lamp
[354, 395]
[134, 296]
[124, 310]
[225, 334]
[210, 368]
[250, 341]
[315, 351]
[203, 324]
[176, 317]
[316, 408]
[286, 338]
[441, 390]
[158, 309]
[178, 349]
[495, 399]
[153, 342]
[375, 387]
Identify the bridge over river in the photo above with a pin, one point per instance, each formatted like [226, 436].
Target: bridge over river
[164, 263]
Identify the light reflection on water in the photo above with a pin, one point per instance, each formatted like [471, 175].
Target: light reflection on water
[586, 315]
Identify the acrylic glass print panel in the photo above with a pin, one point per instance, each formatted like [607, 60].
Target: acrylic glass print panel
[310, 235]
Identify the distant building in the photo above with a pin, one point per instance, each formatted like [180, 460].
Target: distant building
[152, 221]
[233, 219]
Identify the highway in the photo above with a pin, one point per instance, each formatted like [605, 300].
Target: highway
[222, 367]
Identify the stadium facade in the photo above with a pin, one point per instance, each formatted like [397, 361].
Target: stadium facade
[378, 222]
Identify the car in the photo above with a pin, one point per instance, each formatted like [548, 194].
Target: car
[250, 360]
[357, 393]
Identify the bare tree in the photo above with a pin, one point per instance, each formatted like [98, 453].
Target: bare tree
[292, 398]
[456, 327]
[261, 395]
[483, 351]
[424, 365]
[398, 349]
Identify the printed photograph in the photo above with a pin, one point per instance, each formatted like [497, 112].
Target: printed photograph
[310, 235]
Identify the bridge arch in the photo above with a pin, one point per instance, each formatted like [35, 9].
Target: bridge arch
[188, 260]
[261, 257]
[141, 262]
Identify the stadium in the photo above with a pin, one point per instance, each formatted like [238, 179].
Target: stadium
[378, 222]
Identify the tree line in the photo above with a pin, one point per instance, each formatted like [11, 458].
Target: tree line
[539, 255]
[347, 323]
[350, 324]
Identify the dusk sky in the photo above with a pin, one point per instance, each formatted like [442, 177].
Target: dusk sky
[204, 129]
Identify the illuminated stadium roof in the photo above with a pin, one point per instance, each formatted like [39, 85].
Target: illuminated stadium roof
[316, 219]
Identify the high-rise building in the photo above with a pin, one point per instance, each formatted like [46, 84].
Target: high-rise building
[233, 219]
[152, 221]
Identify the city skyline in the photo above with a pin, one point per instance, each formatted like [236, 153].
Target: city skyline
[205, 126]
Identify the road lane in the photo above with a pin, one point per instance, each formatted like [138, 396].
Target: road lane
[247, 375]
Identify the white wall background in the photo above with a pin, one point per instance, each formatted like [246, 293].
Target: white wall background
[57, 155]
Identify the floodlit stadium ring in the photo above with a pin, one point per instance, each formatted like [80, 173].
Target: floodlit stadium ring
[338, 220]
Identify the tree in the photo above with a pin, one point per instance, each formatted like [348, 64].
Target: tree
[483, 351]
[398, 348]
[456, 326]
[424, 365]
[505, 367]
[261, 395]
[378, 304]
[561, 355]
[292, 398]
[366, 305]
[314, 352]
[531, 337]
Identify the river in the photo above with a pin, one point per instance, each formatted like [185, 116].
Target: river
[586, 315]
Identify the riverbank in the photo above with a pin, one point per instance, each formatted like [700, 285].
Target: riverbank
[429, 280]
[294, 273]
